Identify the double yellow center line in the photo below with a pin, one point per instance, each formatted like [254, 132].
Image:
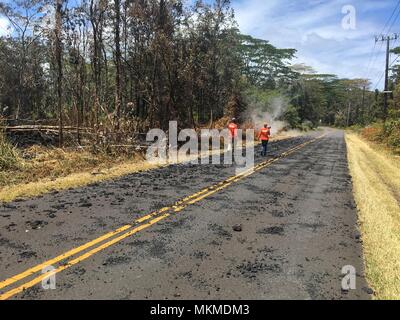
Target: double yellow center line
[126, 231]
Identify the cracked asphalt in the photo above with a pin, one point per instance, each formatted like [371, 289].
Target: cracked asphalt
[298, 230]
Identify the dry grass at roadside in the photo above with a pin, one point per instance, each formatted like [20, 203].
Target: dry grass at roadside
[49, 169]
[376, 183]
[55, 169]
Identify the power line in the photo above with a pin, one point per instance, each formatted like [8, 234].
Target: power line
[388, 21]
[383, 73]
[379, 81]
[387, 39]
[374, 60]
[369, 61]
[397, 58]
[394, 21]
[370, 66]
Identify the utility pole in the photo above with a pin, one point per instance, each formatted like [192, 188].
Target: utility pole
[348, 114]
[363, 105]
[387, 38]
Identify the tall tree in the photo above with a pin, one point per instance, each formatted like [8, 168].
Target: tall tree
[118, 77]
[58, 58]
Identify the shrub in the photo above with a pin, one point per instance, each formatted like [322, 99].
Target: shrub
[307, 125]
[340, 119]
[388, 134]
[373, 133]
[9, 158]
[394, 140]
[292, 117]
[392, 130]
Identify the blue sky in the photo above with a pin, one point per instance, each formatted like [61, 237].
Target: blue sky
[314, 28]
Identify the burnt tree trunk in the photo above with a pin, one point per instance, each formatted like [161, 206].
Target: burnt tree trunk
[117, 64]
[58, 58]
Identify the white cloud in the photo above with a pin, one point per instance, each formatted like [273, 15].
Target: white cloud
[4, 27]
[314, 28]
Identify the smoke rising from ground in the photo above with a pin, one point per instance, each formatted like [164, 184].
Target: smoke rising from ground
[269, 112]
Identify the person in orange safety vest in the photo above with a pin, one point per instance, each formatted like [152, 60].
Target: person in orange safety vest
[233, 132]
[233, 128]
[263, 136]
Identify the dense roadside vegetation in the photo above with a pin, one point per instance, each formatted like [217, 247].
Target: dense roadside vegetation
[112, 69]
[9, 158]
[382, 127]
[121, 67]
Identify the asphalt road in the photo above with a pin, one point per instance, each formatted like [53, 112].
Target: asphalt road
[297, 215]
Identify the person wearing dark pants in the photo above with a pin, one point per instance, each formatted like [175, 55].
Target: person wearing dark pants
[263, 136]
[264, 147]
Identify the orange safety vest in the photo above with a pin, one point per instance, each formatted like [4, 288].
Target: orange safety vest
[232, 130]
[264, 134]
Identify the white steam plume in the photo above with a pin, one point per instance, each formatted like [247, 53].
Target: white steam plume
[269, 114]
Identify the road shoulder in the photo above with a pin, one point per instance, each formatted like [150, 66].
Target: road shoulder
[376, 181]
